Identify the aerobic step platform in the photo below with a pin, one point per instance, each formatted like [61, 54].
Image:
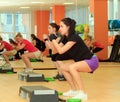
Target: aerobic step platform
[38, 94]
[30, 76]
[7, 70]
[74, 100]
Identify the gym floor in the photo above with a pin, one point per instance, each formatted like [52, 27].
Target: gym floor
[101, 86]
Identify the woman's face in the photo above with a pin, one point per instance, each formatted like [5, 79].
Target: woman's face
[63, 29]
[18, 39]
[51, 30]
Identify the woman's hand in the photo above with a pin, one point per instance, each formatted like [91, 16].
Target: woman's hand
[52, 37]
[45, 36]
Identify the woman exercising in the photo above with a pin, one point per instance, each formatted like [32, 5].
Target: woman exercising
[84, 60]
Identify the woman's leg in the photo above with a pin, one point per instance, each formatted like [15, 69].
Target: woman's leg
[6, 54]
[59, 75]
[58, 67]
[65, 70]
[74, 70]
[26, 59]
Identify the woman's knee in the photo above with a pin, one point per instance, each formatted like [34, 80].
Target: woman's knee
[4, 53]
[62, 68]
[65, 68]
[72, 69]
[23, 56]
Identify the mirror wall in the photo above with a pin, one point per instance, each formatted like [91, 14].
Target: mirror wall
[9, 16]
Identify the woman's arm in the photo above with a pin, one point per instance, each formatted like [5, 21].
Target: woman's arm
[47, 42]
[34, 42]
[20, 46]
[63, 49]
[1, 46]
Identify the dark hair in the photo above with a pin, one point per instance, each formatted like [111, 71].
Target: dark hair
[54, 25]
[33, 36]
[71, 23]
[12, 42]
[1, 38]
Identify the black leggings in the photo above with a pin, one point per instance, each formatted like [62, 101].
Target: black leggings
[20, 52]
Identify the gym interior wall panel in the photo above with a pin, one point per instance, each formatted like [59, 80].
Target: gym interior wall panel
[101, 26]
[42, 22]
[58, 13]
[80, 14]
[118, 9]
[110, 9]
[115, 8]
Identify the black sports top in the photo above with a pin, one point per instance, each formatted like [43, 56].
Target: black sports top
[79, 51]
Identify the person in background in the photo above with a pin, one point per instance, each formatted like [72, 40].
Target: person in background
[38, 43]
[33, 52]
[53, 29]
[10, 51]
[94, 46]
[84, 60]
[20, 52]
[1, 51]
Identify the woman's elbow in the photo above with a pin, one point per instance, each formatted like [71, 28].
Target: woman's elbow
[60, 52]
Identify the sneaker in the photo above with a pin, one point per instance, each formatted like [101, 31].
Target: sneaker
[70, 93]
[61, 78]
[81, 95]
[6, 66]
[56, 77]
[27, 70]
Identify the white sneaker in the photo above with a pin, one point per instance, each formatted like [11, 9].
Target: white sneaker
[27, 70]
[81, 95]
[6, 66]
[70, 93]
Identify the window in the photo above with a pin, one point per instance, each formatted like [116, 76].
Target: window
[6, 24]
[11, 23]
[9, 18]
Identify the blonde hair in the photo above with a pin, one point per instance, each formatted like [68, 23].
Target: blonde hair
[89, 37]
[19, 35]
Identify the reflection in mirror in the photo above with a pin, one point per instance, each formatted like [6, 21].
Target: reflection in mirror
[80, 14]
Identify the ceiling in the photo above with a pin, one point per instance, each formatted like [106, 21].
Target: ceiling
[38, 4]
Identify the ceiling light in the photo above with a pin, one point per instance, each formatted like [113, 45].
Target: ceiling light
[25, 7]
[3, 2]
[68, 3]
[38, 2]
[51, 7]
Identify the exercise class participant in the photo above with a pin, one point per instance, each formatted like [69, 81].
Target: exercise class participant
[38, 43]
[94, 46]
[84, 60]
[33, 52]
[20, 52]
[53, 29]
[10, 51]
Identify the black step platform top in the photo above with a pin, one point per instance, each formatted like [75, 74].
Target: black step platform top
[38, 90]
[10, 70]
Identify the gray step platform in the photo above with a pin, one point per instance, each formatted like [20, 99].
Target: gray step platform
[38, 94]
[30, 76]
[7, 70]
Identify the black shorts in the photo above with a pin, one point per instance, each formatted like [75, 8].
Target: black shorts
[64, 56]
[53, 57]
